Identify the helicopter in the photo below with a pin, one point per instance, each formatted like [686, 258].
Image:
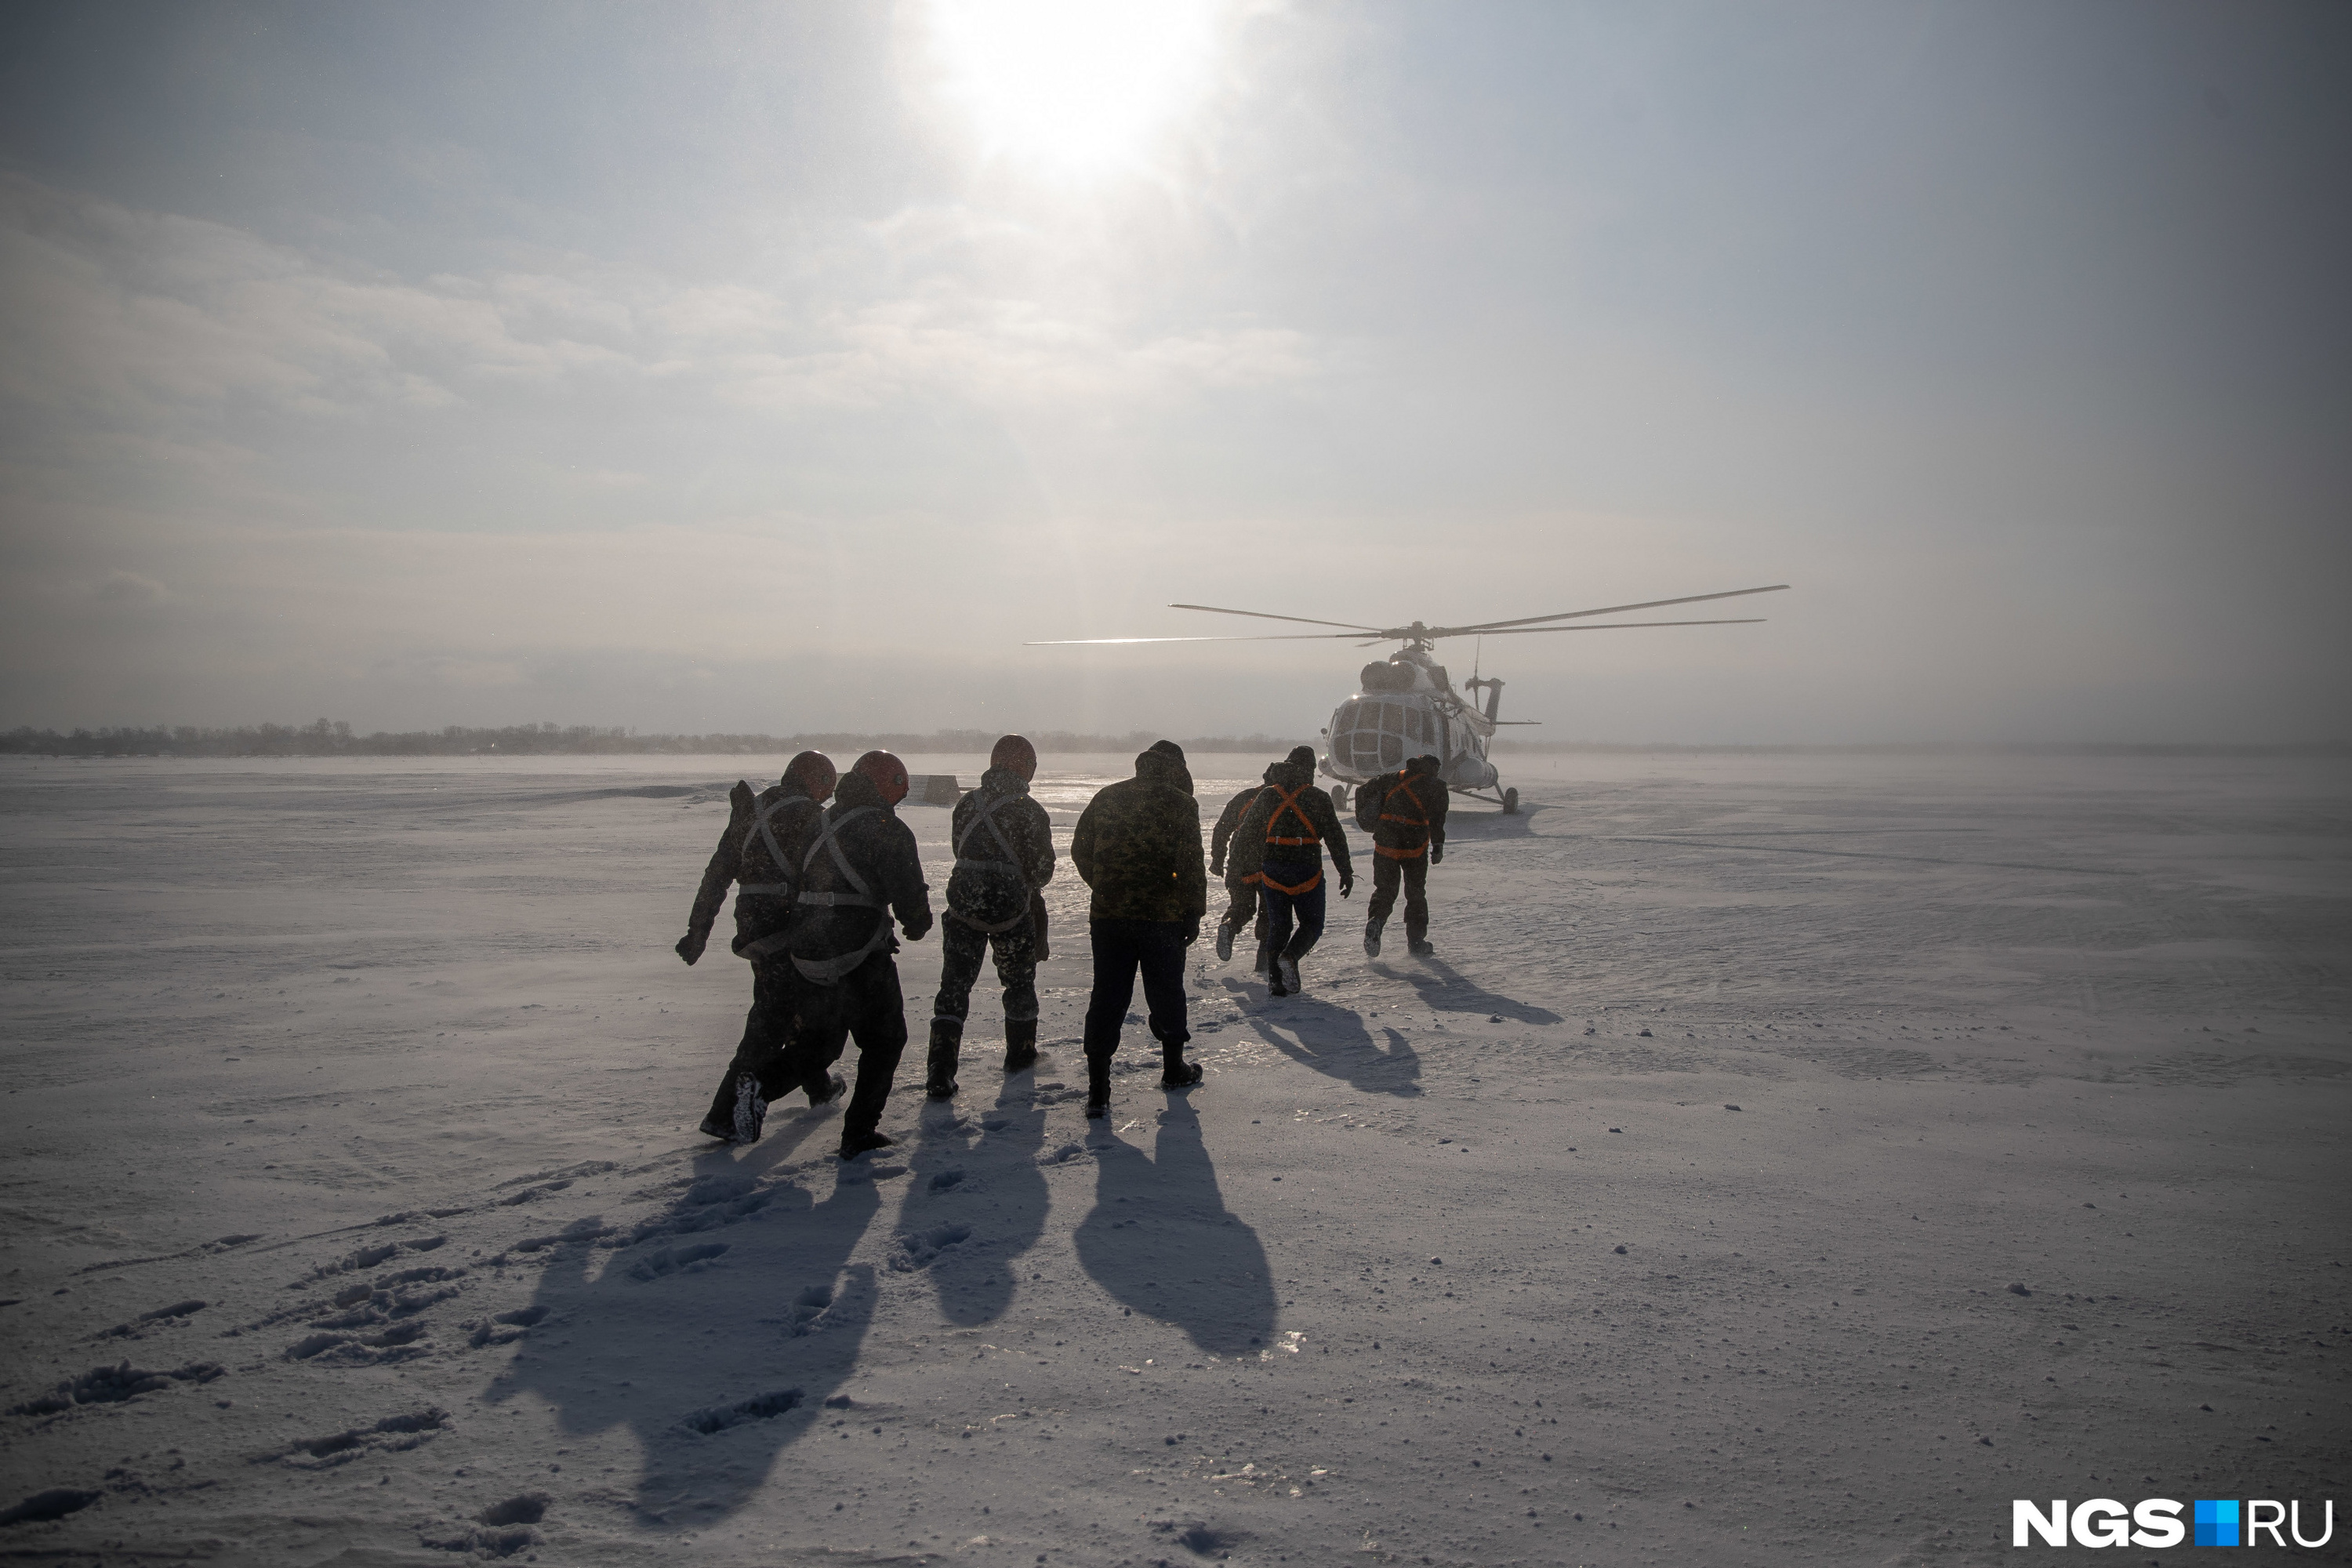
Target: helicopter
[1406, 706]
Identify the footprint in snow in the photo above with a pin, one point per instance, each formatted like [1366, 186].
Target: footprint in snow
[677, 1261]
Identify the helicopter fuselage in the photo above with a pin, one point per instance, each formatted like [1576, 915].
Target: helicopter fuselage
[1407, 707]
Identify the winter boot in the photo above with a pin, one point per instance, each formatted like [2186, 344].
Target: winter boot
[1020, 1044]
[750, 1108]
[1373, 937]
[1260, 967]
[947, 1044]
[1175, 1072]
[853, 1144]
[714, 1128]
[1097, 1085]
[826, 1089]
[1224, 943]
[1288, 985]
[1417, 942]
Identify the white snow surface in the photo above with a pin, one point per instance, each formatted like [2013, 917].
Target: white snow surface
[355, 1213]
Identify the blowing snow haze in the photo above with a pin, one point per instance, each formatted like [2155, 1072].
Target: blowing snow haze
[783, 368]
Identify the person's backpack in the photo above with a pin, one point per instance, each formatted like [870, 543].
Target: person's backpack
[1368, 804]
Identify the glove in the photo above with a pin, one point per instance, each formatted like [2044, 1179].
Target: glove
[1437, 853]
[917, 930]
[690, 946]
[1191, 931]
[1347, 883]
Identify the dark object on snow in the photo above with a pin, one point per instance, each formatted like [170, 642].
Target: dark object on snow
[528, 1509]
[853, 1144]
[1289, 826]
[1004, 853]
[1237, 860]
[860, 868]
[759, 855]
[55, 1503]
[2019, 1291]
[1621, 1247]
[1138, 847]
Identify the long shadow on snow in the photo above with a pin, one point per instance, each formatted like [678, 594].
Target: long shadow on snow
[715, 1330]
[977, 1200]
[1446, 989]
[1160, 1240]
[1334, 1042]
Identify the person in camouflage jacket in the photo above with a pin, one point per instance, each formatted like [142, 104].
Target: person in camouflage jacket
[1240, 873]
[1004, 852]
[1138, 848]
[1405, 813]
[1290, 824]
[759, 856]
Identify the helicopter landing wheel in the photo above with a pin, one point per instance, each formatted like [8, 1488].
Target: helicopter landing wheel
[1510, 803]
[1340, 797]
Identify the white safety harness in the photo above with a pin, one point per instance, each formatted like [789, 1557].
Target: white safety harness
[986, 817]
[763, 824]
[829, 971]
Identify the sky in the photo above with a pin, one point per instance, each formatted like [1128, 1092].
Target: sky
[777, 368]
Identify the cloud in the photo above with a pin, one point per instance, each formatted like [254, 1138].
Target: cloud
[147, 319]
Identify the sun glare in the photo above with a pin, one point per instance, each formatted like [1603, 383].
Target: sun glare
[1079, 86]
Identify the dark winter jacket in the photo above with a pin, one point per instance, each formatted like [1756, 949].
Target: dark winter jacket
[1405, 812]
[1004, 847]
[782, 812]
[1138, 845]
[833, 921]
[1227, 821]
[1260, 823]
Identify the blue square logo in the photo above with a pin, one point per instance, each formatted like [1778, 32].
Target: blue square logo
[2216, 1523]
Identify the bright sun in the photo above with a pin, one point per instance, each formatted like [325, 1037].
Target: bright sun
[1079, 86]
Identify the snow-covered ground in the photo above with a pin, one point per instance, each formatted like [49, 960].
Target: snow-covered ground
[1783, 1159]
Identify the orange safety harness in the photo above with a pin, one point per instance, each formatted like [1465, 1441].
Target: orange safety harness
[1289, 802]
[1421, 822]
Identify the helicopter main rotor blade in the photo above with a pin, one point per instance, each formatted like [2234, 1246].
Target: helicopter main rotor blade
[1261, 615]
[1616, 626]
[1350, 637]
[1266, 637]
[1606, 610]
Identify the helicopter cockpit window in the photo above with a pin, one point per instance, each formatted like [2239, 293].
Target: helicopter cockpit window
[1414, 720]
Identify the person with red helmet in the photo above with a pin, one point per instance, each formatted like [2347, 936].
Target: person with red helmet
[759, 856]
[1004, 852]
[860, 869]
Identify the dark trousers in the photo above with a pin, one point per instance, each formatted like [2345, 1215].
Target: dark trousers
[1243, 905]
[1121, 948]
[1282, 909]
[961, 950]
[865, 1005]
[769, 1030]
[1414, 875]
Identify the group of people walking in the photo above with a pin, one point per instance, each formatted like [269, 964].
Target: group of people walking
[818, 888]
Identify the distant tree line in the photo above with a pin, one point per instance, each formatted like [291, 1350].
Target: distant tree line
[335, 738]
